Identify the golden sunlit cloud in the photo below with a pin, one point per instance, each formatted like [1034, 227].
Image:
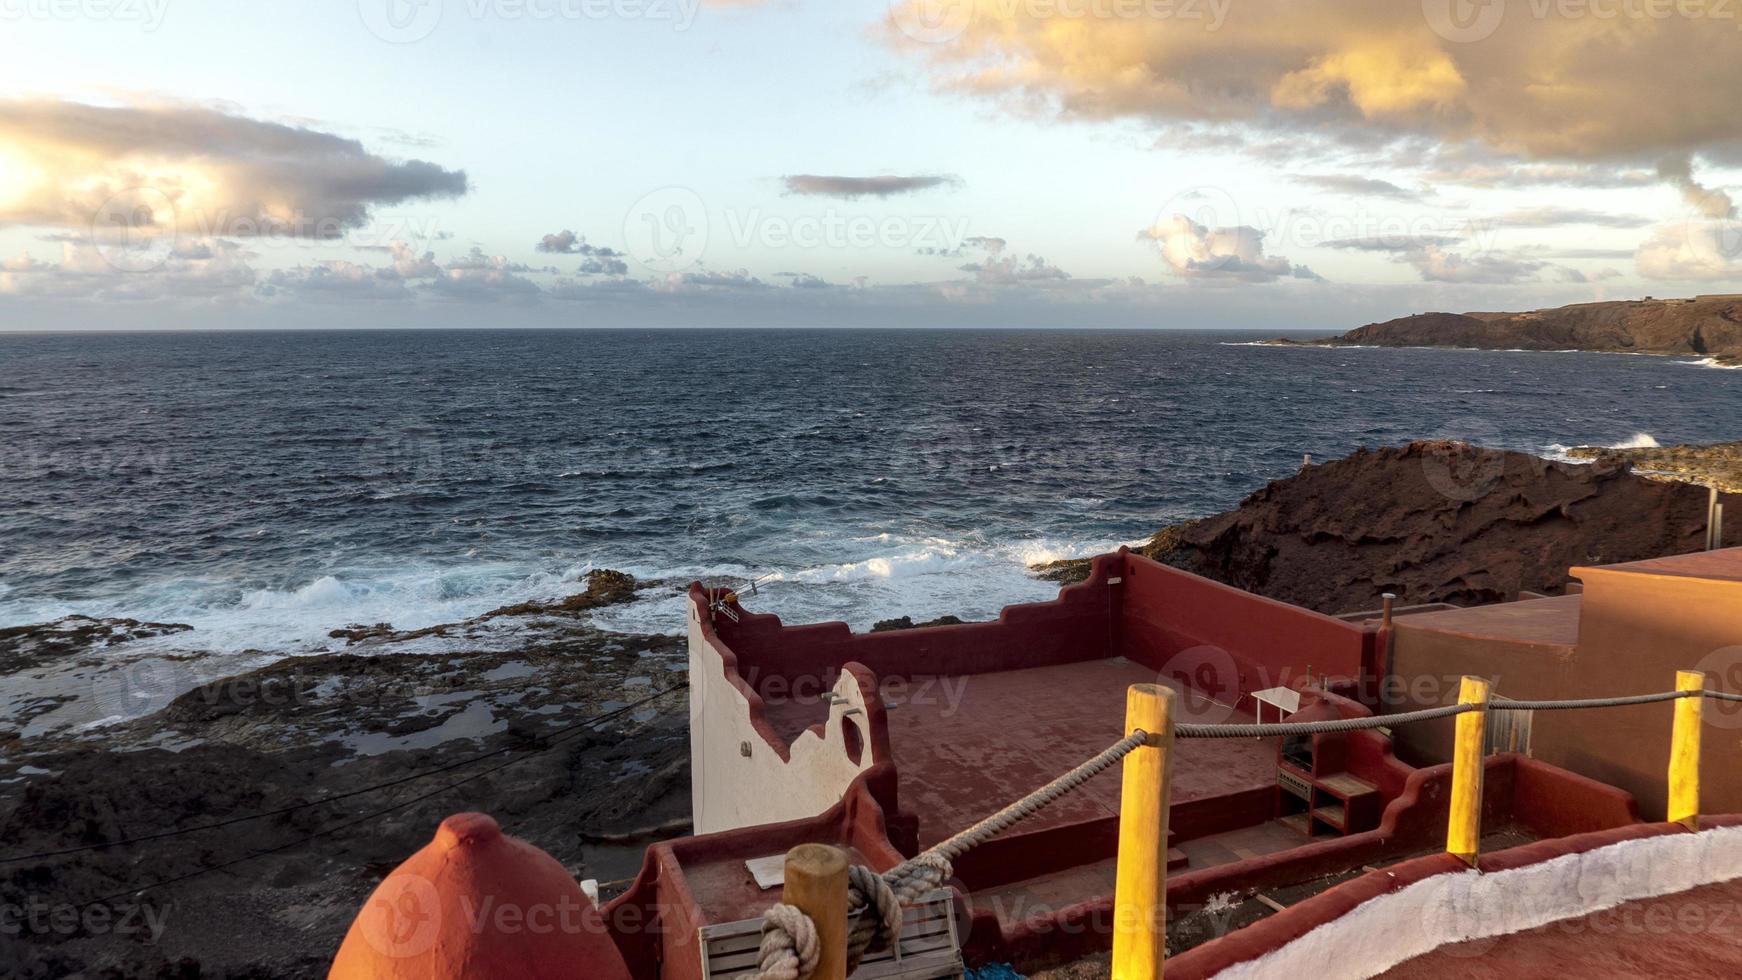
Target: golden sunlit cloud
[1545, 81]
[148, 170]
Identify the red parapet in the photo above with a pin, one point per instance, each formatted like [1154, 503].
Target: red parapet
[475, 903]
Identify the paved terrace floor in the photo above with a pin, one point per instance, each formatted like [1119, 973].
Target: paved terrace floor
[974, 743]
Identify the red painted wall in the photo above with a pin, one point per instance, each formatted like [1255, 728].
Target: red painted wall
[1198, 631]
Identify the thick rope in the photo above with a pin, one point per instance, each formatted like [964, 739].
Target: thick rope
[1319, 727]
[1593, 702]
[789, 945]
[874, 901]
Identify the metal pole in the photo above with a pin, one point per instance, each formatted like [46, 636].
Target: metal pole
[1140, 890]
[1712, 519]
[1385, 608]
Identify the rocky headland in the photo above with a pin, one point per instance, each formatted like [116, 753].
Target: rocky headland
[1433, 522]
[1704, 326]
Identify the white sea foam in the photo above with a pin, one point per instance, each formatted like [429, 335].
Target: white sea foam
[1712, 362]
[892, 575]
[1563, 453]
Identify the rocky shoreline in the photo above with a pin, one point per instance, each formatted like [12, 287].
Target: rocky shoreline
[1718, 466]
[309, 728]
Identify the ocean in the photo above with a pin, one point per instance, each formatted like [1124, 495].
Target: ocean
[267, 488]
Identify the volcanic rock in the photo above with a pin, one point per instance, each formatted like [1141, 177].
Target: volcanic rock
[1433, 522]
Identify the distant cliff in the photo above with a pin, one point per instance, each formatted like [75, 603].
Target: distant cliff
[1709, 326]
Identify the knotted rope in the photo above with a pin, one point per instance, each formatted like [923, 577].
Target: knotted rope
[874, 900]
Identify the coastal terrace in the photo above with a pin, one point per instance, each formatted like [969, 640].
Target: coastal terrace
[886, 743]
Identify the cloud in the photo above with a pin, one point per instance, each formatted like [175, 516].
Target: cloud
[197, 273]
[1554, 217]
[996, 268]
[1547, 88]
[337, 281]
[857, 187]
[601, 260]
[1435, 264]
[476, 277]
[143, 171]
[1708, 202]
[1390, 243]
[804, 280]
[1356, 185]
[1233, 254]
[1693, 251]
[707, 279]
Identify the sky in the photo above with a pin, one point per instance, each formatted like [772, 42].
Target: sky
[1253, 164]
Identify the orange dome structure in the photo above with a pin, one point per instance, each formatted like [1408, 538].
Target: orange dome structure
[475, 903]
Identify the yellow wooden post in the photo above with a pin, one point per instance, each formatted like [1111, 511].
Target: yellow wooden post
[816, 883]
[1140, 892]
[1464, 828]
[1684, 752]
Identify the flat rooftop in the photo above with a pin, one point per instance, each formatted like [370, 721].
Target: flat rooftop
[1724, 565]
[1549, 622]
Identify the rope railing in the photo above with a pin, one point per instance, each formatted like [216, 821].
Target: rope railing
[792, 945]
[1330, 726]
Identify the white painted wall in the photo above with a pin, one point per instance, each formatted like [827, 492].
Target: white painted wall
[1453, 908]
[730, 790]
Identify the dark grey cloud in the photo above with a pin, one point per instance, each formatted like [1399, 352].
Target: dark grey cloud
[856, 187]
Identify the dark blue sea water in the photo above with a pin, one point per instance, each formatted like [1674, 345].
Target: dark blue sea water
[267, 487]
